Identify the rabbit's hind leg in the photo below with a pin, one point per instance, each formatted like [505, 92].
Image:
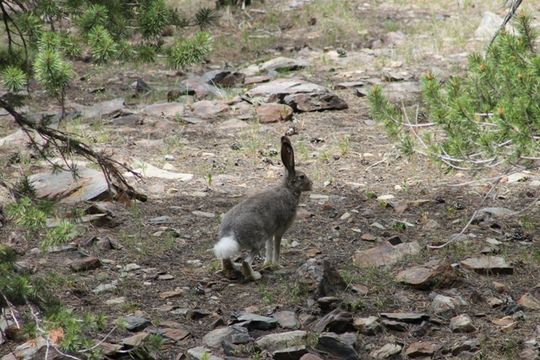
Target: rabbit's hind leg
[269, 245]
[275, 253]
[248, 271]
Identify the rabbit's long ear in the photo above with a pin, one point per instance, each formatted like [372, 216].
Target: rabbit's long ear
[287, 155]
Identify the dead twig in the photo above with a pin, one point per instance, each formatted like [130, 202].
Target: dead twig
[112, 169]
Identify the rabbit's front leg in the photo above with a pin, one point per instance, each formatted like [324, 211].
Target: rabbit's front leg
[275, 254]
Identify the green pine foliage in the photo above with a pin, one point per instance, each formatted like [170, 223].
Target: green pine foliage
[13, 79]
[190, 51]
[491, 112]
[102, 45]
[154, 16]
[53, 72]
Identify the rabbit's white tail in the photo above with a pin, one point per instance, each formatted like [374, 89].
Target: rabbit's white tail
[226, 247]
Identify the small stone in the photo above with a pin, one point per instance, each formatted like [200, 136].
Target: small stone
[287, 319]
[258, 322]
[328, 303]
[338, 321]
[116, 301]
[175, 334]
[462, 323]
[135, 340]
[321, 278]
[283, 64]
[135, 323]
[272, 113]
[422, 349]
[201, 353]
[468, 345]
[234, 334]
[131, 267]
[488, 265]
[204, 214]
[104, 288]
[340, 346]
[442, 304]
[85, 264]
[529, 302]
[394, 325]
[427, 276]
[386, 351]
[368, 326]
[273, 342]
[406, 317]
[385, 254]
[165, 277]
[171, 294]
[109, 349]
[495, 302]
[368, 237]
[500, 287]
[310, 357]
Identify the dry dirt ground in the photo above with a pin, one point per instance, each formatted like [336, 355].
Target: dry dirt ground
[351, 161]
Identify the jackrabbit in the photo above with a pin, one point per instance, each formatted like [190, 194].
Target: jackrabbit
[262, 219]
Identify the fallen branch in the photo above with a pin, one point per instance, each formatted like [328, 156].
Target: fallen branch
[112, 169]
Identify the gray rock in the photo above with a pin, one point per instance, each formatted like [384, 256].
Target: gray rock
[340, 346]
[200, 353]
[368, 326]
[273, 342]
[321, 278]
[385, 254]
[489, 24]
[159, 220]
[135, 323]
[349, 85]
[422, 349]
[462, 323]
[386, 351]
[431, 274]
[208, 109]
[84, 264]
[254, 321]
[406, 317]
[442, 304]
[271, 113]
[338, 321]
[315, 101]
[61, 186]
[467, 345]
[234, 334]
[167, 109]
[101, 109]
[276, 90]
[198, 87]
[283, 64]
[488, 265]
[104, 288]
[224, 78]
[488, 213]
[287, 319]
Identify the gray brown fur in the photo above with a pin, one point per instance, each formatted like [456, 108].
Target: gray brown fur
[262, 219]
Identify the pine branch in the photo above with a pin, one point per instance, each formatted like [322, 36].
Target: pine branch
[111, 168]
[514, 5]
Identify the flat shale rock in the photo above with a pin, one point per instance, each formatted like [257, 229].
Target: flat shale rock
[200, 353]
[386, 351]
[283, 64]
[422, 349]
[368, 326]
[272, 113]
[429, 275]
[385, 254]
[234, 334]
[254, 321]
[273, 342]
[406, 317]
[287, 319]
[488, 265]
[338, 346]
[224, 78]
[315, 101]
[338, 321]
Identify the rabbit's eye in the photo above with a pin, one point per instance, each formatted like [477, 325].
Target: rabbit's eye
[302, 177]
